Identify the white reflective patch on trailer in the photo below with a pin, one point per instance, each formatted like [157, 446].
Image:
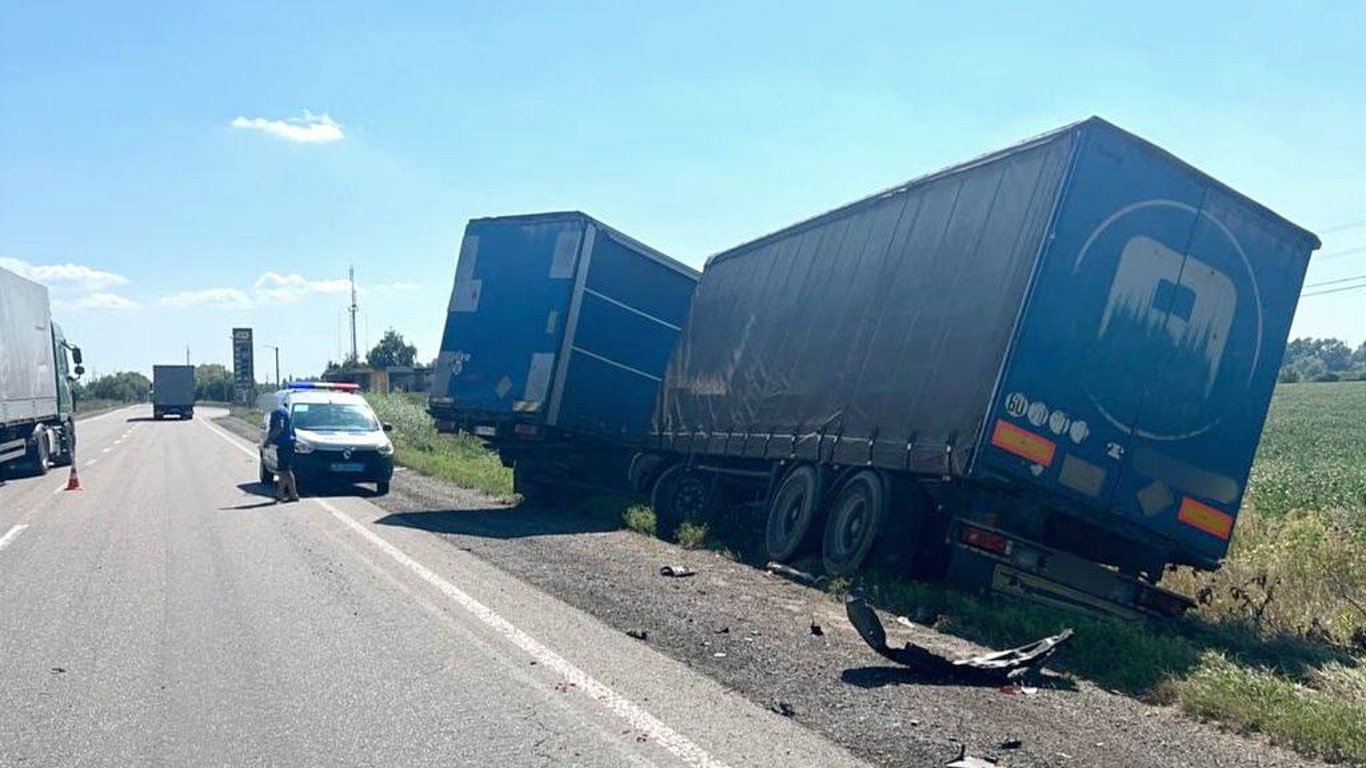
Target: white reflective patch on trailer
[465, 297]
[538, 376]
[469, 254]
[566, 253]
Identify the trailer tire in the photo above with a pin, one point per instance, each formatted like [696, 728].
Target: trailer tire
[857, 516]
[40, 456]
[793, 514]
[682, 496]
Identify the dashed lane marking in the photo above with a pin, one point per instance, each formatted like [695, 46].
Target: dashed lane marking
[642, 721]
[12, 535]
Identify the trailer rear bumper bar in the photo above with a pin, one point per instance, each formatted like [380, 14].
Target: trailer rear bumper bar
[991, 559]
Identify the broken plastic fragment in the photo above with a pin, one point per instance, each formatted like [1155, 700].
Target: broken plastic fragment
[992, 668]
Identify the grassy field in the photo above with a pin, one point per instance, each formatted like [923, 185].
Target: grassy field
[460, 459]
[1277, 644]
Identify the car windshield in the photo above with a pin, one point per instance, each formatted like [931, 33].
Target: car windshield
[333, 417]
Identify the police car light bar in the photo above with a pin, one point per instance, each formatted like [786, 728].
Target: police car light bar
[339, 386]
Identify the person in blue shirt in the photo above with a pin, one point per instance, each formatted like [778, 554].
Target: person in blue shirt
[281, 434]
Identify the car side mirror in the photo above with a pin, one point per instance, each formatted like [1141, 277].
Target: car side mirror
[80, 370]
[76, 358]
[388, 427]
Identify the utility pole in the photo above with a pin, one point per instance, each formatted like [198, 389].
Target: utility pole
[277, 363]
[355, 353]
[187, 354]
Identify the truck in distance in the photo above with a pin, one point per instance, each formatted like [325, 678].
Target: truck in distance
[37, 425]
[556, 337]
[1042, 372]
[173, 391]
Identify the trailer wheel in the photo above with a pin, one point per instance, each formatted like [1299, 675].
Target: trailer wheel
[680, 496]
[793, 514]
[40, 457]
[856, 518]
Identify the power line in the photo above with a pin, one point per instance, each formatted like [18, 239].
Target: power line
[1345, 225]
[1333, 290]
[1339, 280]
[1335, 254]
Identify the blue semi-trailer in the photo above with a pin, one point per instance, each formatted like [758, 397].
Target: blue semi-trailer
[557, 334]
[1044, 372]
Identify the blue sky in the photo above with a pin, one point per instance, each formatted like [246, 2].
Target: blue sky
[129, 184]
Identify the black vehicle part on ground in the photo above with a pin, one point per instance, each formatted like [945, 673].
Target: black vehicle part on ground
[988, 669]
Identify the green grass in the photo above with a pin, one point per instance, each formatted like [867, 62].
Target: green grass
[640, 518]
[692, 535]
[460, 458]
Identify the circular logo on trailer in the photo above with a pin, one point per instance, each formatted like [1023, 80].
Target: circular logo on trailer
[1058, 422]
[1079, 431]
[1037, 413]
[1016, 404]
[1176, 313]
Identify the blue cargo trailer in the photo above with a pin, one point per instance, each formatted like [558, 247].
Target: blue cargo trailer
[557, 335]
[1045, 370]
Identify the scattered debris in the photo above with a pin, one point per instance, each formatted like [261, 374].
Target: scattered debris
[995, 668]
[816, 629]
[788, 572]
[784, 709]
[639, 634]
[565, 687]
[676, 571]
[1012, 744]
[57, 670]
[1011, 689]
[721, 631]
[720, 654]
[965, 761]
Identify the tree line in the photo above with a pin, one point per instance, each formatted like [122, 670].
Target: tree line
[1323, 360]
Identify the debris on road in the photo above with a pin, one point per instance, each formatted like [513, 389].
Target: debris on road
[676, 571]
[784, 709]
[964, 760]
[992, 668]
[565, 687]
[1012, 744]
[1013, 690]
[792, 574]
[639, 634]
[816, 629]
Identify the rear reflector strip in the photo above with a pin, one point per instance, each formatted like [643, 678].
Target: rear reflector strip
[1206, 518]
[1022, 443]
[983, 539]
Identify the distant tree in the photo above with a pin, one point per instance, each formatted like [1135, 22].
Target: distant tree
[1309, 359]
[124, 386]
[391, 350]
[214, 382]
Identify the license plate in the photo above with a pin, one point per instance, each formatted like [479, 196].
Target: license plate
[486, 431]
[348, 467]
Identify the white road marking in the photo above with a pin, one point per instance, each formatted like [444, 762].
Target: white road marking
[88, 463]
[106, 450]
[617, 704]
[10, 536]
[116, 442]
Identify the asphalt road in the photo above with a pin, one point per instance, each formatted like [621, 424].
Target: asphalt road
[171, 614]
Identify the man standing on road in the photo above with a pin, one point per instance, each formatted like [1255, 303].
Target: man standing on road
[281, 433]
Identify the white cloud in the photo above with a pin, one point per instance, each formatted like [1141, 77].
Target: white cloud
[98, 300]
[213, 298]
[309, 129]
[284, 288]
[66, 275]
[399, 286]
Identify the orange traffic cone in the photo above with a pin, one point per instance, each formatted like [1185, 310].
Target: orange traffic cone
[73, 483]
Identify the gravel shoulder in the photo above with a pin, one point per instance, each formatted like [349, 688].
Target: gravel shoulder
[753, 633]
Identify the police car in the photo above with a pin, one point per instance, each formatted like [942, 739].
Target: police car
[336, 436]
